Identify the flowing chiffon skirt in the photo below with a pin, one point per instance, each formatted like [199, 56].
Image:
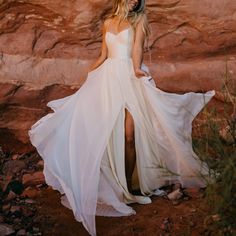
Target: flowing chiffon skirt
[82, 141]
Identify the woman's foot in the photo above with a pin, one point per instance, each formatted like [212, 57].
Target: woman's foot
[139, 199]
[142, 199]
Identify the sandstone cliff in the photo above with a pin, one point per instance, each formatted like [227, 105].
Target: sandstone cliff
[46, 47]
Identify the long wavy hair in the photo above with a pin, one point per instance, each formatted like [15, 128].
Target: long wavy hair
[121, 9]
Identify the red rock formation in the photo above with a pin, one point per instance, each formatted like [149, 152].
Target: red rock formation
[46, 46]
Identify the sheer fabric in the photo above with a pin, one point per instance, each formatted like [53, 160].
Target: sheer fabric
[82, 141]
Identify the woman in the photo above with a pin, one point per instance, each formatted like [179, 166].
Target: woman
[118, 122]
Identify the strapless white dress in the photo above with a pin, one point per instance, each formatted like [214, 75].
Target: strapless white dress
[82, 141]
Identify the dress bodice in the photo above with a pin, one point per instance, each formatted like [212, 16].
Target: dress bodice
[120, 45]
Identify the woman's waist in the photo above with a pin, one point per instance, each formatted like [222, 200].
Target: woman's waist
[119, 57]
[119, 54]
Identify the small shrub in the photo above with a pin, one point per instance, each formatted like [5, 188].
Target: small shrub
[217, 147]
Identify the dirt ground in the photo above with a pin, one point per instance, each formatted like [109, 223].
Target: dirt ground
[161, 217]
[32, 208]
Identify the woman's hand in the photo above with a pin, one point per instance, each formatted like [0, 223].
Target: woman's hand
[140, 73]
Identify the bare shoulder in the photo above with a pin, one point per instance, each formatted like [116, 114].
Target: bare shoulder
[107, 22]
[142, 29]
[142, 20]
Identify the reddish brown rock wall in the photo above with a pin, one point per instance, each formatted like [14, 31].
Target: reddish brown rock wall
[48, 44]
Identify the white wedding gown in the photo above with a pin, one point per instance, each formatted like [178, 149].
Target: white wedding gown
[82, 141]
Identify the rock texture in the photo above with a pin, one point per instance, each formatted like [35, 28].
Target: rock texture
[46, 47]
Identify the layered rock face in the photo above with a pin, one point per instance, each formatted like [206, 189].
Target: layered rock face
[46, 47]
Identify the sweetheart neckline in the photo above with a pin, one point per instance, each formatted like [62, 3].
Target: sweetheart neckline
[118, 32]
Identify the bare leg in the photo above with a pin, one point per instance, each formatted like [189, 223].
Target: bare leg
[130, 155]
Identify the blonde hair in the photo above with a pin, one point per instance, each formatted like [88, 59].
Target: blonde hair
[120, 9]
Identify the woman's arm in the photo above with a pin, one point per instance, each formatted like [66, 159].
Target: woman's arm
[137, 54]
[103, 54]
